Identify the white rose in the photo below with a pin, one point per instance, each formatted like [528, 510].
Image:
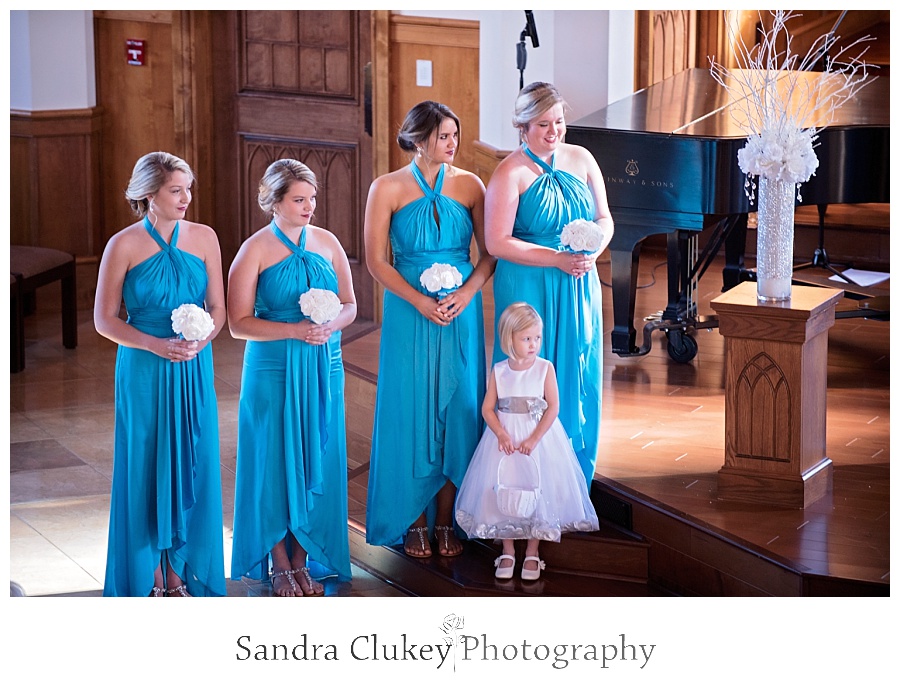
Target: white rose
[192, 322]
[582, 235]
[440, 277]
[320, 305]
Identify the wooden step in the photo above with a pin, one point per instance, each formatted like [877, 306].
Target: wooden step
[472, 573]
[608, 553]
[691, 557]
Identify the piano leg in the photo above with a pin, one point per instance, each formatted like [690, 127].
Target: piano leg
[624, 267]
[734, 271]
[680, 257]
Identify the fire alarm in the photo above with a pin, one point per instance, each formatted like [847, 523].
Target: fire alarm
[135, 51]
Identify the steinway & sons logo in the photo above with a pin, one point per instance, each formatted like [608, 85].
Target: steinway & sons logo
[632, 171]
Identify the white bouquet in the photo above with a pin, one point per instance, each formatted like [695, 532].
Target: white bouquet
[441, 279]
[320, 305]
[780, 155]
[192, 322]
[582, 236]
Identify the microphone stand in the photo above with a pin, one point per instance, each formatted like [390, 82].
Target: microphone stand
[521, 57]
[820, 255]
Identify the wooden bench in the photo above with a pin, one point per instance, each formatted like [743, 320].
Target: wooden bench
[31, 267]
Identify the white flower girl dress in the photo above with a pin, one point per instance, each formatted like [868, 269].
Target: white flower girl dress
[551, 472]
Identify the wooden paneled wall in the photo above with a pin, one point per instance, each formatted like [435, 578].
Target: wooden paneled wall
[487, 157]
[54, 173]
[809, 25]
[452, 47]
[669, 41]
[55, 199]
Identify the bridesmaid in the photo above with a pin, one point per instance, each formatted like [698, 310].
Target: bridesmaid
[534, 192]
[432, 354]
[165, 523]
[291, 485]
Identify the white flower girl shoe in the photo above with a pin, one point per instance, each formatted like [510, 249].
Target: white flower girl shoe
[505, 571]
[528, 574]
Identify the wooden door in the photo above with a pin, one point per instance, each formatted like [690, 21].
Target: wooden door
[294, 84]
[136, 103]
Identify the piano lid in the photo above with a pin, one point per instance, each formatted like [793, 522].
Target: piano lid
[672, 147]
[692, 103]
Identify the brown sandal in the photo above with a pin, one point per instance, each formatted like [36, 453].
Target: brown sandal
[444, 541]
[156, 592]
[425, 552]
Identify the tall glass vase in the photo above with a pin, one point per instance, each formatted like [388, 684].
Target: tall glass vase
[774, 240]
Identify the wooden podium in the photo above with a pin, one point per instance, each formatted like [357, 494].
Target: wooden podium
[775, 395]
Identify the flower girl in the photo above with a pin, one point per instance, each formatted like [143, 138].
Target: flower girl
[524, 481]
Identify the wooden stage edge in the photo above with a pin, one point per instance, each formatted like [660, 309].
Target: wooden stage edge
[662, 445]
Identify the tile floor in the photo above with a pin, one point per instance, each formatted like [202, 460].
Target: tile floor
[61, 419]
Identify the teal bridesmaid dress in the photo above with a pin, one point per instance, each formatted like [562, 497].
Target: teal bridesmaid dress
[570, 307]
[431, 378]
[166, 489]
[292, 447]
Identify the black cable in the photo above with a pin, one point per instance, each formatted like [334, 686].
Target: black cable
[640, 286]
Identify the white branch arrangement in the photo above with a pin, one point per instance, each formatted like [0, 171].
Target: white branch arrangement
[781, 109]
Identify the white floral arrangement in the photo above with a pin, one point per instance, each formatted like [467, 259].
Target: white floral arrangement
[782, 100]
[192, 322]
[320, 305]
[441, 278]
[582, 236]
[783, 156]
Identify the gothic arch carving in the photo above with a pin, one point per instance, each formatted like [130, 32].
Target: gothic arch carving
[762, 406]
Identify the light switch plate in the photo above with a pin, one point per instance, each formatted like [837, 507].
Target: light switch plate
[423, 73]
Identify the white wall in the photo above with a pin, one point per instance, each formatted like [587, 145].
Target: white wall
[51, 60]
[586, 54]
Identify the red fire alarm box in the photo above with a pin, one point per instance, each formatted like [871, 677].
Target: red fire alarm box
[136, 51]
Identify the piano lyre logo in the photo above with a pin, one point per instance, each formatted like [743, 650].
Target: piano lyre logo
[631, 168]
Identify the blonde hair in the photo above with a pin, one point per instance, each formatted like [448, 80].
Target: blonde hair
[515, 318]
[277, 180]
[150, 173]
[533, 101]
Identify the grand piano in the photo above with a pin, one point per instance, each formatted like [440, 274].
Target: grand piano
[668, 154]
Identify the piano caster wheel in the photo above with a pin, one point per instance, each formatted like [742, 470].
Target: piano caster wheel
[682, 347]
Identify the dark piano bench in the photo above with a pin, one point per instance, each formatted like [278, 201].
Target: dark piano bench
[31, 267]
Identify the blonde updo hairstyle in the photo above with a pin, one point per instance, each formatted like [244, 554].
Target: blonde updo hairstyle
[532, 102]
[515, 318]
[421, 122]
[150, 173]
[277, 180]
